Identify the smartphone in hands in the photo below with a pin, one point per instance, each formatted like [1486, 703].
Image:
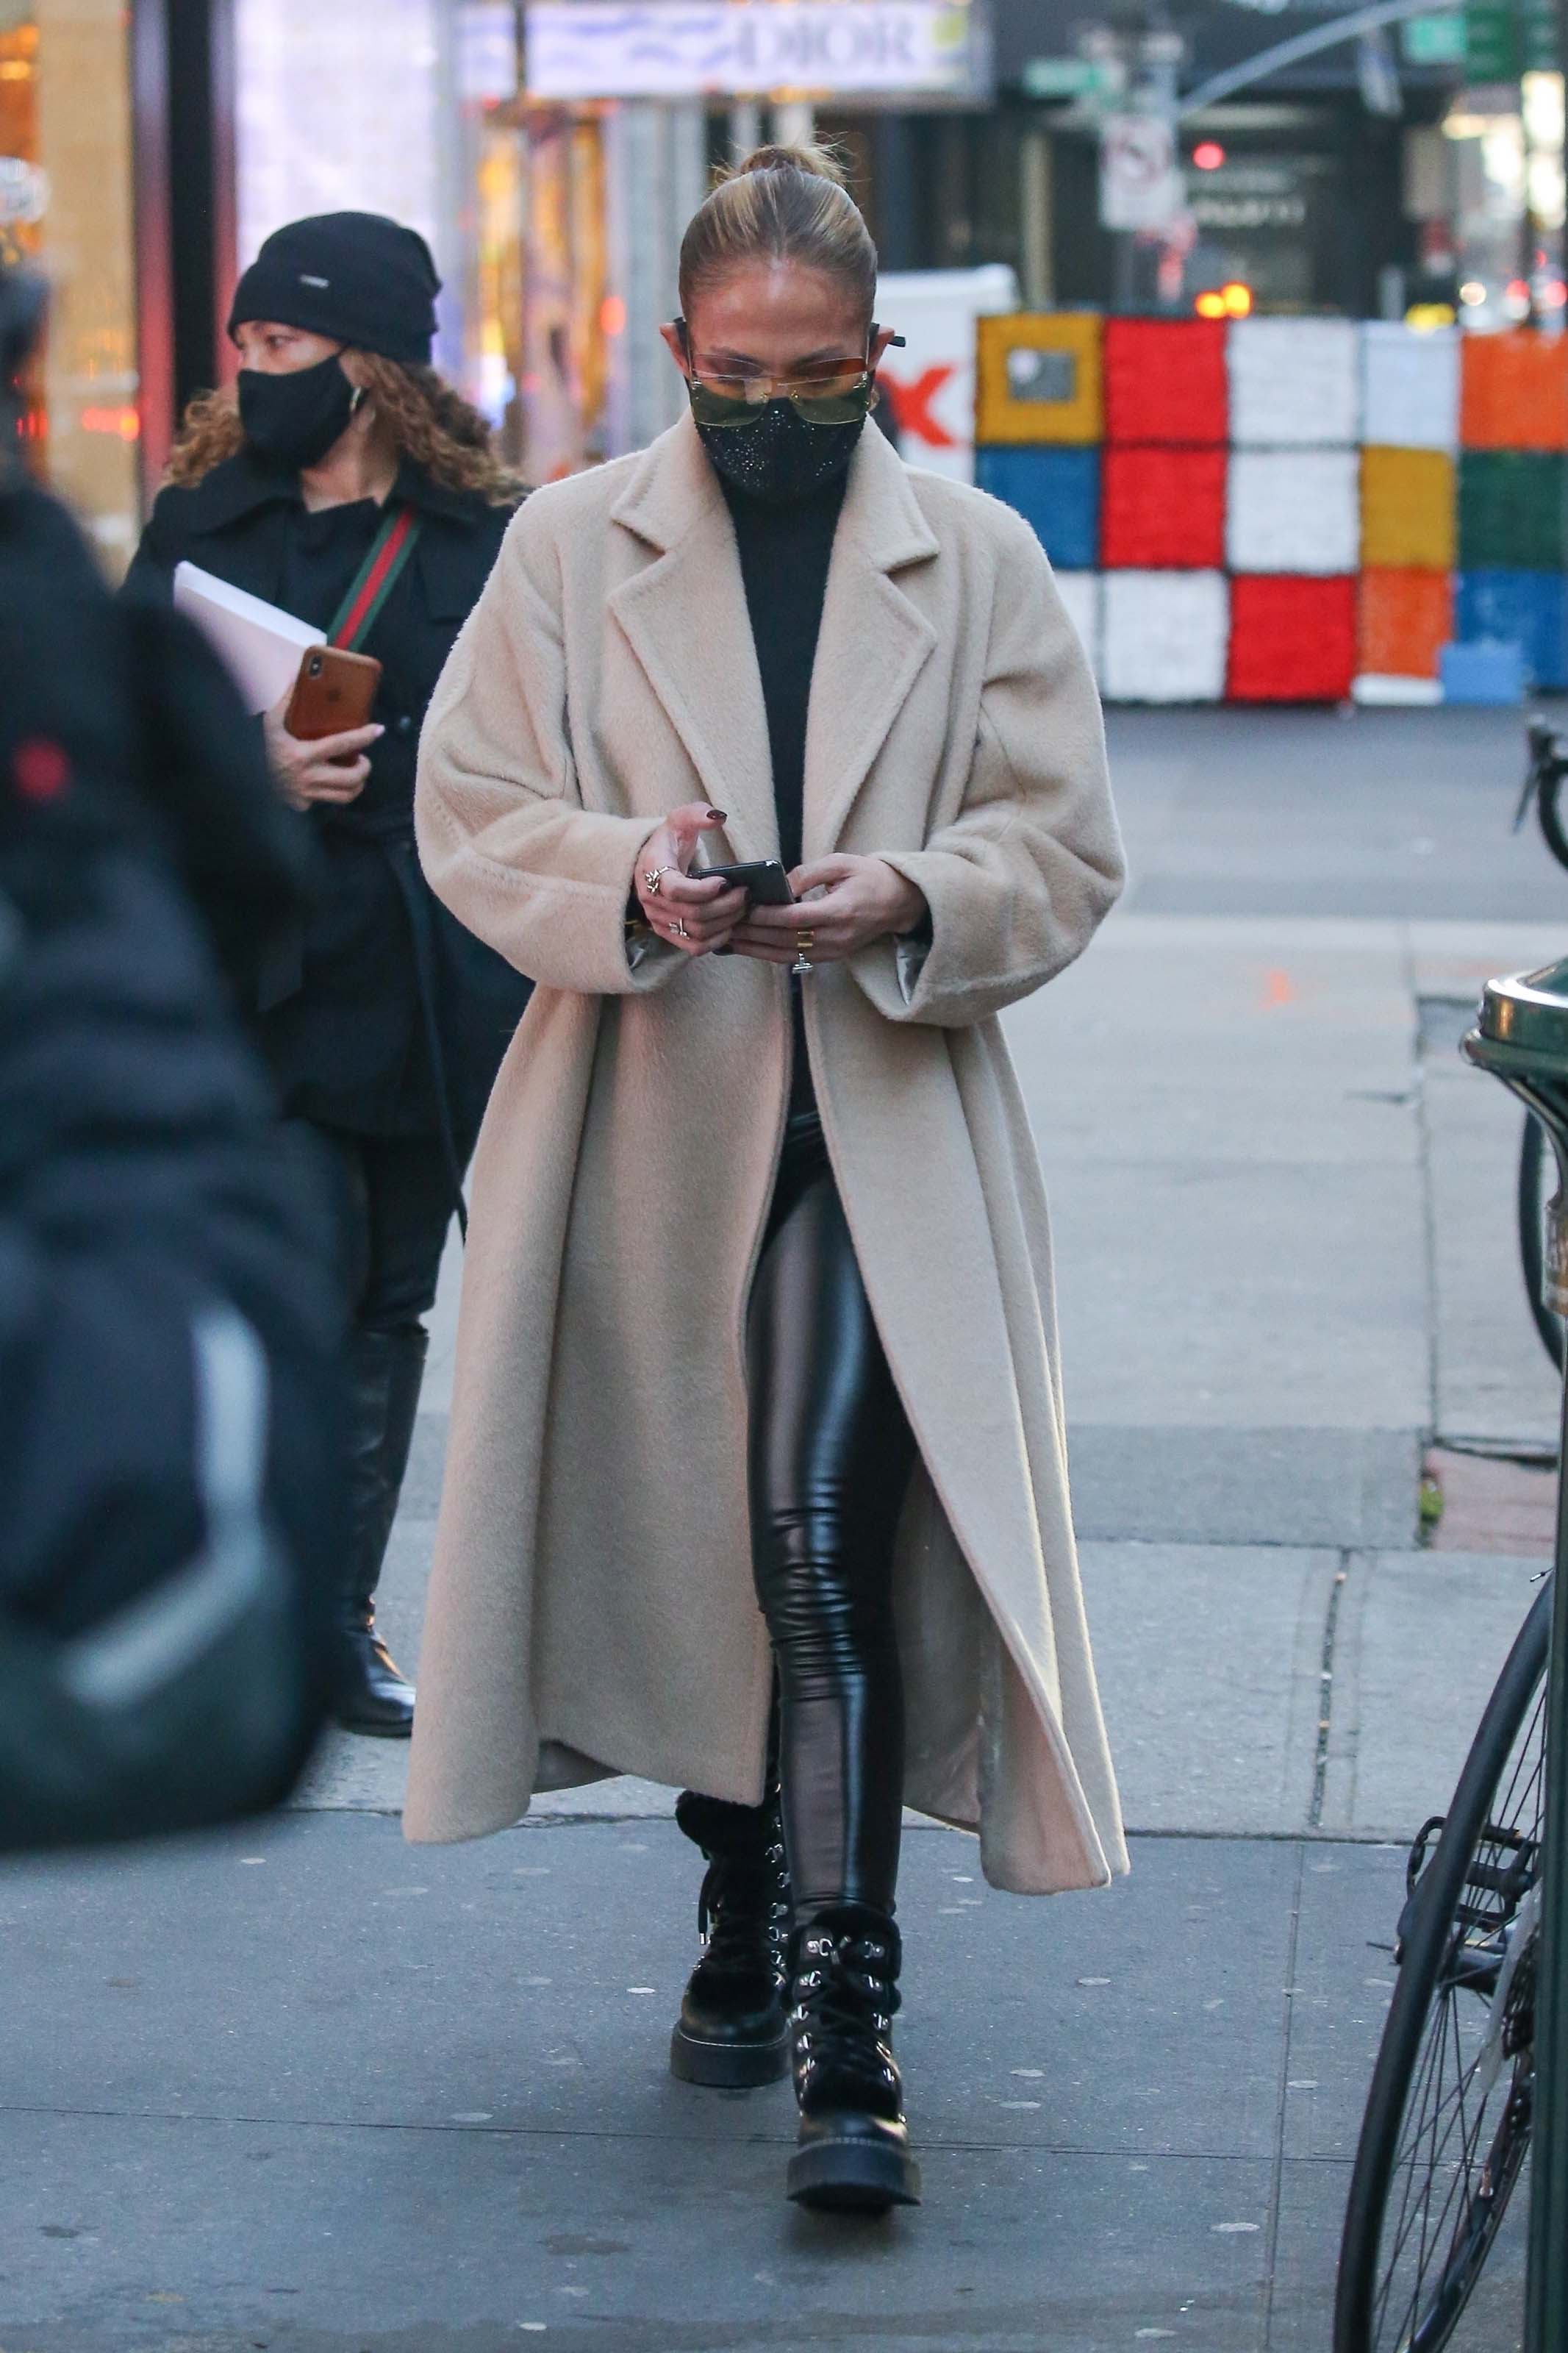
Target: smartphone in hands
[762, 880]
[333, 692]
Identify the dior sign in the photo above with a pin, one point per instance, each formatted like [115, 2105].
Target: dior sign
[877, 49]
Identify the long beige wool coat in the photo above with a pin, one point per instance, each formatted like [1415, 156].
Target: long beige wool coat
[592, 1606]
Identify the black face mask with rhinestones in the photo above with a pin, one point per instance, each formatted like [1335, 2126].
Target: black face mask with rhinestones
[779, 457]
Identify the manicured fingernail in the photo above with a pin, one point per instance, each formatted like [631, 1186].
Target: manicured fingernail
[720, 816]
[380, 728]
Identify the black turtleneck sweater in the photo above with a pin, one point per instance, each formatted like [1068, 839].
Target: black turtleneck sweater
[785, 548]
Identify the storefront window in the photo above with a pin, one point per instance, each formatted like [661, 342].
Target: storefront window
[65, 205]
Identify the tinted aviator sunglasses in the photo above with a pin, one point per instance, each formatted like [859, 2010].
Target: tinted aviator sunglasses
[824, 394]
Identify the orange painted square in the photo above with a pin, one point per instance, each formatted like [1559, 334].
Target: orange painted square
[1513, 391]
[1404, 619]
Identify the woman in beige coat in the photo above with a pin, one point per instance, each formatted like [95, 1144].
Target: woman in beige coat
[756, 1385]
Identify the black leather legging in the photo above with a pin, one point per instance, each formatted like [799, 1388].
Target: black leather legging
[830, 1454]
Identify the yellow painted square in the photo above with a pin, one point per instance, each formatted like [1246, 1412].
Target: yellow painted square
[1407, 513]
[1039, 378]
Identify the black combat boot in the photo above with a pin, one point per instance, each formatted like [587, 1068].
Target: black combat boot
[853, 2153]
[386, 1369]
[731, 2030]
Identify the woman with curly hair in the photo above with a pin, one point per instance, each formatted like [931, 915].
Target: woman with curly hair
[346, 481]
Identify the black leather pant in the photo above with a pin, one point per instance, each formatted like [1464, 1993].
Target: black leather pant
[830, 1456]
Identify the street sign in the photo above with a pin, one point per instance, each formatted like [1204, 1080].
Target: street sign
[1140, 184]
[1491, 45]
[1069, 77]
[1434, 41]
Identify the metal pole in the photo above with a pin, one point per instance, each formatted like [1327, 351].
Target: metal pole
[1306, 45]
[1546, 2304]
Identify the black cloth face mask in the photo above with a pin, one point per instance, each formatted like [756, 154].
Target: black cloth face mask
[294, 419]
[780, 457]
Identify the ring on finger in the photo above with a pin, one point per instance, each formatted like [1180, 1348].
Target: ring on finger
[677, 930]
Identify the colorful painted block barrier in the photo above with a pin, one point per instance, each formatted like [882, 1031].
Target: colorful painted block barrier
[1288, 510]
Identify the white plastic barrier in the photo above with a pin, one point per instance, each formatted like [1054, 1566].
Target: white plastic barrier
[931, 380]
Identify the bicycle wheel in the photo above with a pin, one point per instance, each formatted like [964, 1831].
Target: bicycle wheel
[1551, 817]
[1537, 1183]
[1448, 2114]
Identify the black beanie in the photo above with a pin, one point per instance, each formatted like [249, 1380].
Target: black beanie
[357, 276]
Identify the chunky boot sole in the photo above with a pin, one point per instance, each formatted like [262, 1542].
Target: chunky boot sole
[374, 1728]
[853, 2177]
[729, 2066]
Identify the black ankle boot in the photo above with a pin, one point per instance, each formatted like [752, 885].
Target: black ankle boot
[731, 2030]
[386, 1369]
[853, 2154]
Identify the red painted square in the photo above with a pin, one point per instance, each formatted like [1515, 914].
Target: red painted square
[1292, 639]
[1163, 510]
[1165, 381]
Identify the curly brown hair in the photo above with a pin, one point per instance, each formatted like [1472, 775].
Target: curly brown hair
[428, 421]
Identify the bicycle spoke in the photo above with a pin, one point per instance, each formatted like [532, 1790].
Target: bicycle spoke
[1448, 2118]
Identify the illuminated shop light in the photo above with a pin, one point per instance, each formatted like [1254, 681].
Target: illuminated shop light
[124, 422]
[1472, 293]
[1208, 156]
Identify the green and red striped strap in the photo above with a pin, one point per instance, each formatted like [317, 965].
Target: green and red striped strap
[377, 576]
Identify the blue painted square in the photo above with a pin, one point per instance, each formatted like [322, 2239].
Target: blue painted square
[1526, 606]
[1057, 491]
[1489, 671]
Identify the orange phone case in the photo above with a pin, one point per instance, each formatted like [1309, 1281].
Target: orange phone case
[333, 691]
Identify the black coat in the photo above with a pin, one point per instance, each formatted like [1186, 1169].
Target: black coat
[383, 981]
[143, 1173]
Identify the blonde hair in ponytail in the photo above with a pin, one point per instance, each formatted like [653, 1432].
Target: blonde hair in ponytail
[780, 203]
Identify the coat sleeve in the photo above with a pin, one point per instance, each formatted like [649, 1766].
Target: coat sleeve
[1019, 881]
[504, 839]
[151, 573]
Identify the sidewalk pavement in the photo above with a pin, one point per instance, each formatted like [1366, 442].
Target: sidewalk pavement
[309, 2091]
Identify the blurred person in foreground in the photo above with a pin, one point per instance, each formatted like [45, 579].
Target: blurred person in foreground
[171, 1482]
[756, 1370]
[346, 482]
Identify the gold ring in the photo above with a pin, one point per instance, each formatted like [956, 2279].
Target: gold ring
[804, 942]
[677, 930]
[652, 877]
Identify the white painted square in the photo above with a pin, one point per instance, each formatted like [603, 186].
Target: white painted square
[1293, 511]
[1080, 592]
[1164, 635]
[1294, 383]
[1410, 386]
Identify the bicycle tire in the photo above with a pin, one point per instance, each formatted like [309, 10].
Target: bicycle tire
[1433, 1937]
[1537, 1172]
[1546, 799]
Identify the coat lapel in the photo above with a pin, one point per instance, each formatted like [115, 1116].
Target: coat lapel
[684, 616]
[875, 640]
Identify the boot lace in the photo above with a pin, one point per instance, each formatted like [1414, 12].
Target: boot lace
[845, 1998]
[740, 1906]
